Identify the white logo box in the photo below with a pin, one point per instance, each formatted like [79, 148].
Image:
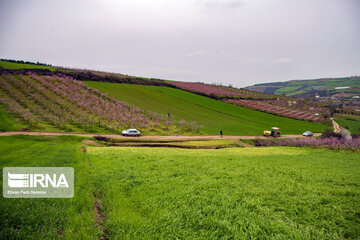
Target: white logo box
[38, 182]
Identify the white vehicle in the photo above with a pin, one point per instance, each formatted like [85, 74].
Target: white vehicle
[131, 132]
[308, 134]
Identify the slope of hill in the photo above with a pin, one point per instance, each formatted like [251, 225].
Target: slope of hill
[214, 115]
[278, 105]
[66, 104]
[282, 106]
[348, 86]
[180, 99]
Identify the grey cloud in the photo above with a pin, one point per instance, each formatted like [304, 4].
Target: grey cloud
[229, 41]
[282, 61]
[222, 4]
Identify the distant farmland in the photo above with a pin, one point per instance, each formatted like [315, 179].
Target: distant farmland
[308, 88]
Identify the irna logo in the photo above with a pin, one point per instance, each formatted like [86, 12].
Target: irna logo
[16, 180]
[38, 182]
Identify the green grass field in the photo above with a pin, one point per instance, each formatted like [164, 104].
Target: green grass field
[352, 125]
[160, 193]
[212, 114]
[287, 89]
[12, 65]
[47, 218]
[8, 122]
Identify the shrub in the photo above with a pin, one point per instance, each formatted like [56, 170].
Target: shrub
[330, 142]
[327, 133]
[354, 135]
[345, 134]
[101, 138]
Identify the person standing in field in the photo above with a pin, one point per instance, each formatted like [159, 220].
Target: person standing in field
[221, 133]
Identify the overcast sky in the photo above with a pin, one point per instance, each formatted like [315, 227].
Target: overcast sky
[239, 42]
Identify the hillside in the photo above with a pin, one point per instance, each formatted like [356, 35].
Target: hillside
[337, 87]
[281, 106]
[214, 115]
[61, 102]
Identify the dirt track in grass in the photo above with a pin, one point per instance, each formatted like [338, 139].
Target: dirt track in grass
[336, 126]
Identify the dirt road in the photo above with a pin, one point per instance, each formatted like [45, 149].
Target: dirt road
[336, 126]
[149, 137]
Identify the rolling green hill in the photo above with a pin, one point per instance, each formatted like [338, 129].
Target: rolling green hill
[212, 114]
[308, 88]
[154, 95]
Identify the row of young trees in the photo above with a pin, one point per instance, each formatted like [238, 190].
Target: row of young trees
[308, 115]
[63, 101]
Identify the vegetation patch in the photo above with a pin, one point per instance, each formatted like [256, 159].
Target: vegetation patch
[352, 124]
[238, 193]
[69, 105]
[212, 114]
[24, 65]
[47, 218]
[157, 193]
[331, 143]
[9, 122]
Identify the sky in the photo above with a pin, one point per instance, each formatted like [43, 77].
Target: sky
[238, 42]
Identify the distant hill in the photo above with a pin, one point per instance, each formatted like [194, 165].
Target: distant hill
[337, 87]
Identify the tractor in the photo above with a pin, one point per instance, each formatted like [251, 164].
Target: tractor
[275, 132]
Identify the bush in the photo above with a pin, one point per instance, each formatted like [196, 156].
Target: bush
[345, 134]
[331, 142]
[354, 135]
[327, 133]
[101, 138]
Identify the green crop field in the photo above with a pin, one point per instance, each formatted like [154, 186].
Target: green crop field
[286, 89]
[12, 65]
[212, 114]
[147, 193]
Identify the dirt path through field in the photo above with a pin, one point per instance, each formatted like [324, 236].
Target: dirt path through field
[149, 137]
[336, 126]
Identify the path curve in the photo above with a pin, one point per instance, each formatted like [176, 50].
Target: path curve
[149, 137]
[336, 126]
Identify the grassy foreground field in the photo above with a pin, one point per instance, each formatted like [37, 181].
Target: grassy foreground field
[47, 218]
[147, 193]
[212, 114]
